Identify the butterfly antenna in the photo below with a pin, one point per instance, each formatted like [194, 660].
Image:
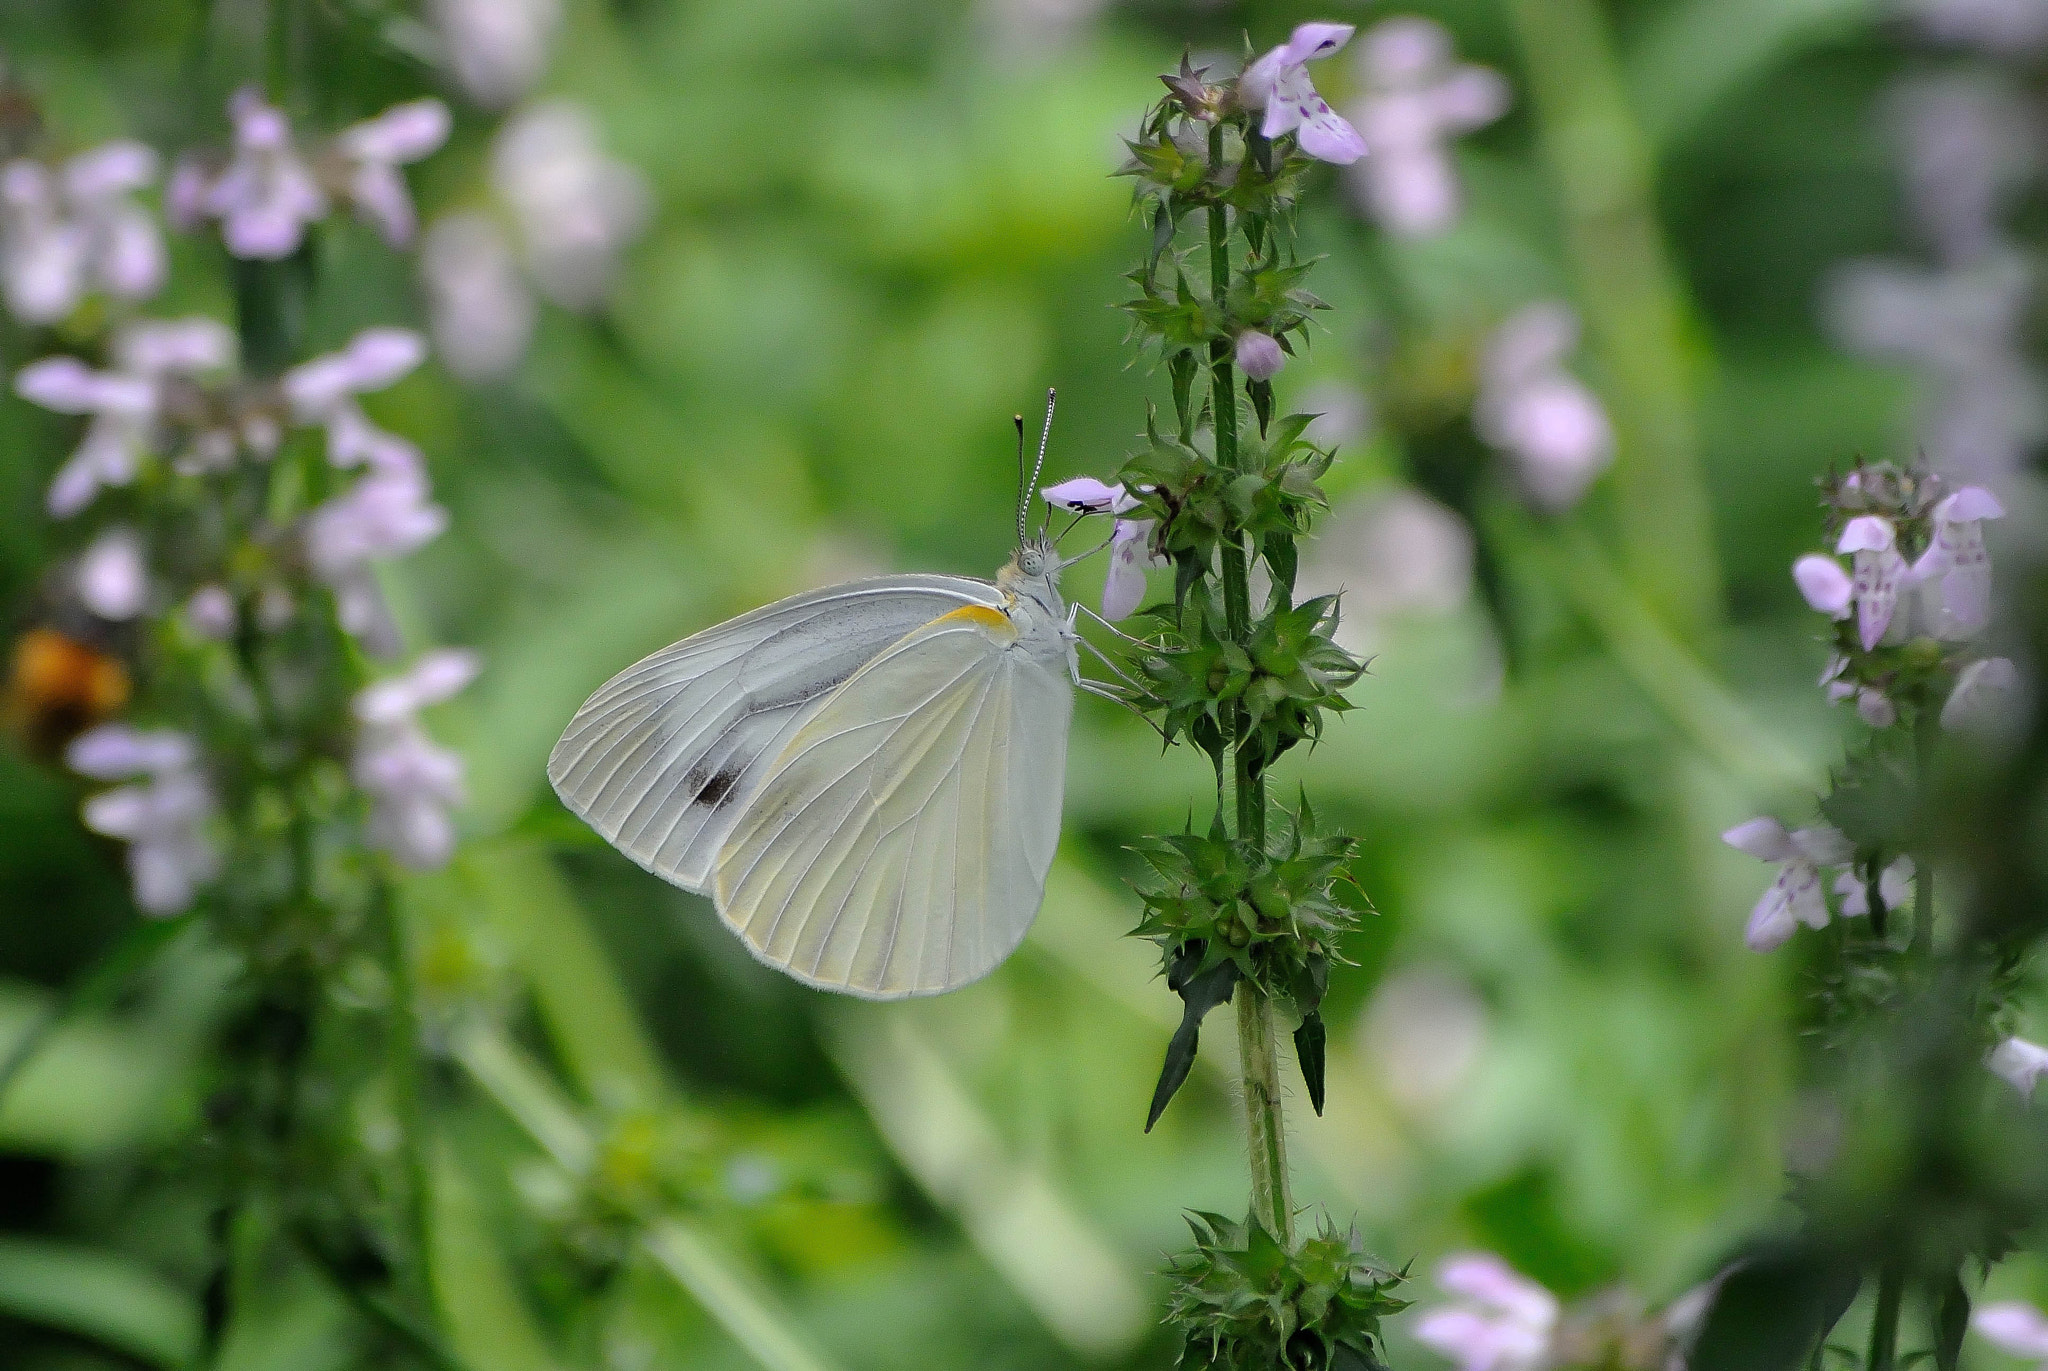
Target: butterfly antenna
[1023, 490]
[1044, 436]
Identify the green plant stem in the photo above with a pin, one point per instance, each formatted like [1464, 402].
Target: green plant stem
[1272, 1203]
[1272, 1206]
[402, 1062]
[1926, 735]
[1884, 1324]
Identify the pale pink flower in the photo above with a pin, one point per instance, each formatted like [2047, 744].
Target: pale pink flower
[268, 194]
[1130, 554]
[1417, 99]
[577, 209]
[1259, 355]
[323, 391]
[113, 576]
[1278, 83]
[372, 153]
[413, 784]
[1086, 495]
[2021, 1064]
[1957, 563]
[1872, 545]
[123, 403]
[497, 48]
[479, 306]
[1505, 1322]
[1550, 425]
[1824, 585]
[123, 410]
[76, 229]
[163, 818]
[1795, 896]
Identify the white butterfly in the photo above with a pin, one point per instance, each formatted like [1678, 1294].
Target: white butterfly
[866, 779]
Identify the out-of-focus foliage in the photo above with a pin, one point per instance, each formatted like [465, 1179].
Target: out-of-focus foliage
[878, 229]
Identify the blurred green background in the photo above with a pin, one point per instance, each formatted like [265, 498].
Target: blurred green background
[879, 228]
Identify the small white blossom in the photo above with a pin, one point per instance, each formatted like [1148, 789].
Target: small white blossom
[1894, 887]
[1505, 1323]
[1130, 555]
[1872, 545]
[1795, 896]
[1417, 99]
[413, 784]
[387, 512]
[113, 577]
[76, 229]
[1278, 83]
[2020, 1063]
[163, 818]
[2017, 1329]
[1546, 420]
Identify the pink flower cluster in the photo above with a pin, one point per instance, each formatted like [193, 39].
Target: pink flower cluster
[413, 784]
[266, 192]
[69, 230]
[164, 814]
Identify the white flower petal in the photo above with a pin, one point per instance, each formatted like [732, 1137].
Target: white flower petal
[1765, 839]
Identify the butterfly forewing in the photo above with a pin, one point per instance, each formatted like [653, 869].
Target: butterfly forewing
[899, 843]
[666, 756]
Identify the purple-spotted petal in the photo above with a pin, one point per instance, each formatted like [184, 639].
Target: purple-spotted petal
[1086, 495]
[1313, 40]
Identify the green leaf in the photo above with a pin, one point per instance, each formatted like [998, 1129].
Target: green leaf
[1201, 993]
[108, 1299]
[1951, 1321]
[1309, 1040]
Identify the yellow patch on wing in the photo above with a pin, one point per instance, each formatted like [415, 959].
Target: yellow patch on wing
[991, 621]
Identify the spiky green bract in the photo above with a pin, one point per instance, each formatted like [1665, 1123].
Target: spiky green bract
[1224, 912]
[1198, 506]
[1245, 1303]
[1283, 680]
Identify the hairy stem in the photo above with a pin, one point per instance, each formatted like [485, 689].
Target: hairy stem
[1272, 1204]
[1265, 1128]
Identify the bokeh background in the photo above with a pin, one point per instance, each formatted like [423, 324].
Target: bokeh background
[873, 230]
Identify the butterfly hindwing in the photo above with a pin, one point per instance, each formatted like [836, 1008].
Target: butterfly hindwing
[899, 843]
[663, 759]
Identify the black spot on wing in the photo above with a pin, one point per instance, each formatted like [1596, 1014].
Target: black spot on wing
[713, 793]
